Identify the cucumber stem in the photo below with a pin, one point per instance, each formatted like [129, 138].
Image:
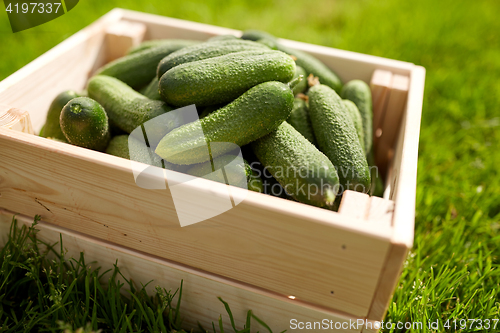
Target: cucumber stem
[295, 81]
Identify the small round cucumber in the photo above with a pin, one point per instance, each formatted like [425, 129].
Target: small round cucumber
[353, 112]
[359, 92]
[85, 123]
[337, 138]
[222, 79]
[304, 172]
[52, 128]
[299, 119]
[205, 51]
[254, 114]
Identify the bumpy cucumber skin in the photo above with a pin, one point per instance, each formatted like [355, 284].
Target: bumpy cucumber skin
[310, 64]
[121, 145]
[85, 123]
[299, 119]
[139, 68]
[233, 171]
[149, 44]
[151, 91]
[313, 66]
[337, 138]
[305, 173]
[52, 128]
[302, 85]
[359, 92]
[118, 146]
[125, 107]
[205, 51]
[254, 114]
[353, 112]
[222, 79]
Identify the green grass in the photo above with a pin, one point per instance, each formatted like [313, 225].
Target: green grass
[453, 269]
[43, 291]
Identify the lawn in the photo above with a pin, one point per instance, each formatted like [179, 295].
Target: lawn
[452, 271]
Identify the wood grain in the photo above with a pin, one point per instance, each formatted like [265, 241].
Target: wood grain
[200, 290]
[380, 85]
[121, 36]
[15, 119]
[95, 194]
[391, 121]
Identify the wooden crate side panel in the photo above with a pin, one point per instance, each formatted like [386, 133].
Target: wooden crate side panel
[279, 245]
[159, 27]
[200, 290]
[388, 281]
[406, 161]
[348, 65]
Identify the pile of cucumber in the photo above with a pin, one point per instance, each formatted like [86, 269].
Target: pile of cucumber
[303, 135]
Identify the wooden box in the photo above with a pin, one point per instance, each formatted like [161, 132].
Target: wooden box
[284, 260]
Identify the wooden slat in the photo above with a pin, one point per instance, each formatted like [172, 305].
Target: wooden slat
[121, 36]
[95, 193]
[354, 204]
[373, 209]
[380, 211]
[407, 153]
[200, 290]
[388, 281]
[379, 84]
[391, 122]
[15, 119]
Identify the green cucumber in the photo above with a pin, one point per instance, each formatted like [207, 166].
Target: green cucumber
[304, 172]
[302, 85]
[222, 79]
[205, 51]
[122, 145]
[377, 188]
[313, 66]
[337, 138]
[235, 173]
[252, 115]
[139, 68]
[299, 119]
[151, 91]
[255, 35]
[222, 37]
[310, 64]
[118, 146]
[85, 123]
[353, 112]
[270, 43]
[359, 92]
[125, 107]
[52, 128]
[149, 44]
